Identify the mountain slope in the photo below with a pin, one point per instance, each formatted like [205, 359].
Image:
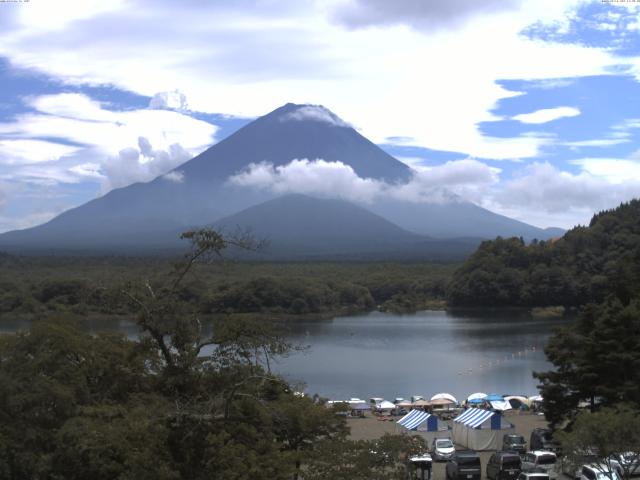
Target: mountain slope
[298, 226]
[145, 214]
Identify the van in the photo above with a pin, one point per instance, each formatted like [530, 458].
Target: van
[464, 465]
[541, 460]
[504, 466]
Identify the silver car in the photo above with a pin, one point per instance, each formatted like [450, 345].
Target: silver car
[442, 449]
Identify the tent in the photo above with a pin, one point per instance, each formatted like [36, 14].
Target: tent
[385, 405]
[517, 401]
[444, 396]
[480, 429]
[419, 420]
[500, 405]
[477, 397]
[494, 397]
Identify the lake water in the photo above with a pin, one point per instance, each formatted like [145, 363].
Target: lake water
[389, 355]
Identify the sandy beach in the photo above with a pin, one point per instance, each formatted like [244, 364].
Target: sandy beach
[369, 428]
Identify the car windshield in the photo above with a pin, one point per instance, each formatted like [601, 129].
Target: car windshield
[511, 462]
[515, 439]
[607, 476]
[546, 459]
[471, 461]
[444, 444]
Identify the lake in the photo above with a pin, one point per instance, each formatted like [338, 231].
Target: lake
[390, 355]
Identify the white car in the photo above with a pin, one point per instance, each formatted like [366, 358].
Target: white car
[442, 449]
[533, 476]
[541, 460]
[598, 472]
[628, 461]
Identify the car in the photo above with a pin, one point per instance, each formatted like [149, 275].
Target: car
[514, 442]
[572, 465]
[442, 449]
[504, 465]
[598, 472]
[541, 439]
[628, 462]
[533, 475]
[464, 465]
[537, 460]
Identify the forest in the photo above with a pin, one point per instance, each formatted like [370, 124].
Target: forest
[586, 265]
[90, 286]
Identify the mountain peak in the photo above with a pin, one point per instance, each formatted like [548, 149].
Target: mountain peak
[292, 112]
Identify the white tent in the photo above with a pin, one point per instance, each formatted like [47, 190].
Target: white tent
[480, 429]
[444, 396]
[476, 396]
[501, 405]
[385, 405]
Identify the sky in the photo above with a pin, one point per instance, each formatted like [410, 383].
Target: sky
[529, 109]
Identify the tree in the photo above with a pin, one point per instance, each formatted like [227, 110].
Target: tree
[596, 359]
[608, 433]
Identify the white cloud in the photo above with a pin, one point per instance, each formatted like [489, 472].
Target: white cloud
[596, 142]
[455, 180]
[545, 195]
[108, 141]
[26, 151]
[613, 170]
[175, 100]
[174, 176]
[435, 85]
[547, 115]
[316, 113]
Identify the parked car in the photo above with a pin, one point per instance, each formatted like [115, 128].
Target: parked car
[598, 472]
[541, 439]
[627, 461]
[533, 476]
[572, 467]
[464, 465]
[442, 449]
[537, 460]
[514, 442]
[504, 466]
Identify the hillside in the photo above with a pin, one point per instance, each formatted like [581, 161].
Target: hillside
[583, 266]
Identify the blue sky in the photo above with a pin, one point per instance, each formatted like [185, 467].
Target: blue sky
[529, 110]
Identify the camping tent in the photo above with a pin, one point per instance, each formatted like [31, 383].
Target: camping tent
[500, 405]
[385, 405]
[419, 420]
[444, 396]
[480, 429]
[477, 397]
[517, 401]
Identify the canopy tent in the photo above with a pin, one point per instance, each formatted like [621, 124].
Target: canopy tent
[419, 420]
[385, 405]
[516, 401]
[494, 397]
[500, 405]
[421, 403]
[444, 396]
[404, 404]
[360, 407]
[480, 429]
[477, 397]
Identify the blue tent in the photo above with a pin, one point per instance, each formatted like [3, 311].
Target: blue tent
[418, 420]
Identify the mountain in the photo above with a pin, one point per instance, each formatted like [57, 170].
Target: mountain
[146, 215]
[299, 226]
[457, 219]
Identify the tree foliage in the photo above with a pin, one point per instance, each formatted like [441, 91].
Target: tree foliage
[585, 265]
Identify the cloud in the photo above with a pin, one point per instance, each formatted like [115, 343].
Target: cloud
[316, 113]
[103, 142]
[175, 100]
[613, 170]
[544, 193]
[143, 164]
[27, 151]
[453, 181]
[418, 13]
[547, 115]
[434, 85]
[174, 176]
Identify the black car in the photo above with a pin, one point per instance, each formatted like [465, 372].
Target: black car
[464, 465]
[504, 466]
[541, 440]
[514, 442]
